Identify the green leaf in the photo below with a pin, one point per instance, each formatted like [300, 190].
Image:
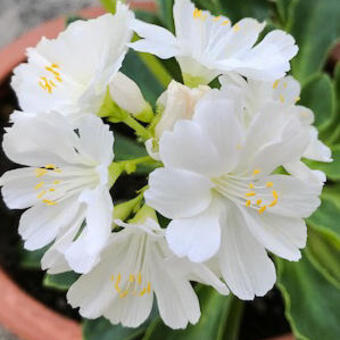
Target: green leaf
[166, 14]
[237, 10]
[318, 95]
[332, 170]
[135, 68]
[220, 316]
[109, 5]
[324, 253]
[315, 26]
[326, 218]
[102, 329]
[61, 281]
[311, 302]
[283, 7]
[31, 259]
[334, 126]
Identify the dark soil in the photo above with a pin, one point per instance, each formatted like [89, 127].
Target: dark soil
[263, 317]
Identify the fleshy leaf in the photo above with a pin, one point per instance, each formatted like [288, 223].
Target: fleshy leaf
[61, 281]
[311, 301]
[315, 26]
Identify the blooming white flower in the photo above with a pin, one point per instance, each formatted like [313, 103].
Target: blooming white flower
[127, 95]
[218, 186]
[135, 264]
[255, 95]
[206, 46]
[65, 186]
[176, 103]
[70, 74]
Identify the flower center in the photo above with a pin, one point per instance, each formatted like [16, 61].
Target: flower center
[134, 286]
[49, 83]
[247, 191]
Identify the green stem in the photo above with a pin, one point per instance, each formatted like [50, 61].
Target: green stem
[140, 130]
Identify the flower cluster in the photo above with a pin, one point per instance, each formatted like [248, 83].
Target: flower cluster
[229, 172]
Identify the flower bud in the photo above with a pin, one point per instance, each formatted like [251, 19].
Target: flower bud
[127, 95]
[178, 102]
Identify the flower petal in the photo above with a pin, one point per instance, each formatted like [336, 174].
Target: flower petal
[178, 193]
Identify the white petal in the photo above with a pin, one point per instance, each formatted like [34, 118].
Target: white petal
[197, 153]
[244, 263]
[83, 254]
[157, 40]
[178, 193]
[303, 172]
[40, 224]
[317, 150]
[197, 237]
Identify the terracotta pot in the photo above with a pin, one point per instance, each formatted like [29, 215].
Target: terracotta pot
[20, 313]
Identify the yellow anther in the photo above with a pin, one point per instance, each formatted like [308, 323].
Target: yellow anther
[49, 202]
[269, 184]
[225, 22]
[112, 278]
[217, 18]
[256, 172]
[143, 292]
[258, 202]
[251, 186]
[148, 287]
[38, 186]
[197, 13]
[59, 79]
[131, 278]
[139, 280]
[56, 181]
[297, 99]
[282, 98]
[250, 194]
[50, 166]
[248, 203]
[55, 66]
[40, 172]
[50, 69]
[276, 196]
[276, 83]
[117, 288]
[51, 189]
[41, 194]
[123, 294]
[262, 209]
[52, 83]
[236, 27]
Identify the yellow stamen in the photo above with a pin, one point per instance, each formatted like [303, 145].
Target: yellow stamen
[197, 13]
[236, 27]
[41, 194]
[251, 186]
[282, 98]
[50, 166]
[49, 202]
[132, 278]
[40, 172]
[112, 278]
[276, 83]
[225, 22]
[122, 295]
[269, 184]
[262, 209]
[56, 181]
[143, 292]
[148, 287]
[55, 66]
[258, 202]
[276, 196]
[50, 69]
[217, 18]
[256, 172]
[139, 280]
[117, 288]
[248, 203]
[38, 186]
[51, 189]
[297, 99]
[249, 194]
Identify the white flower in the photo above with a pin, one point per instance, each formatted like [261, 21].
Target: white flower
[65, 186]
[255, 95]
[206, 46]
[176, 103]
[135, 264]
[218, 187]
[70, 74]
[127, 95]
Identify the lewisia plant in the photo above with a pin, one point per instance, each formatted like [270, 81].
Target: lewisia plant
[226, 154]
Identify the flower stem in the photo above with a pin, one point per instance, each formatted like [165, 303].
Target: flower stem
[140, 130]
